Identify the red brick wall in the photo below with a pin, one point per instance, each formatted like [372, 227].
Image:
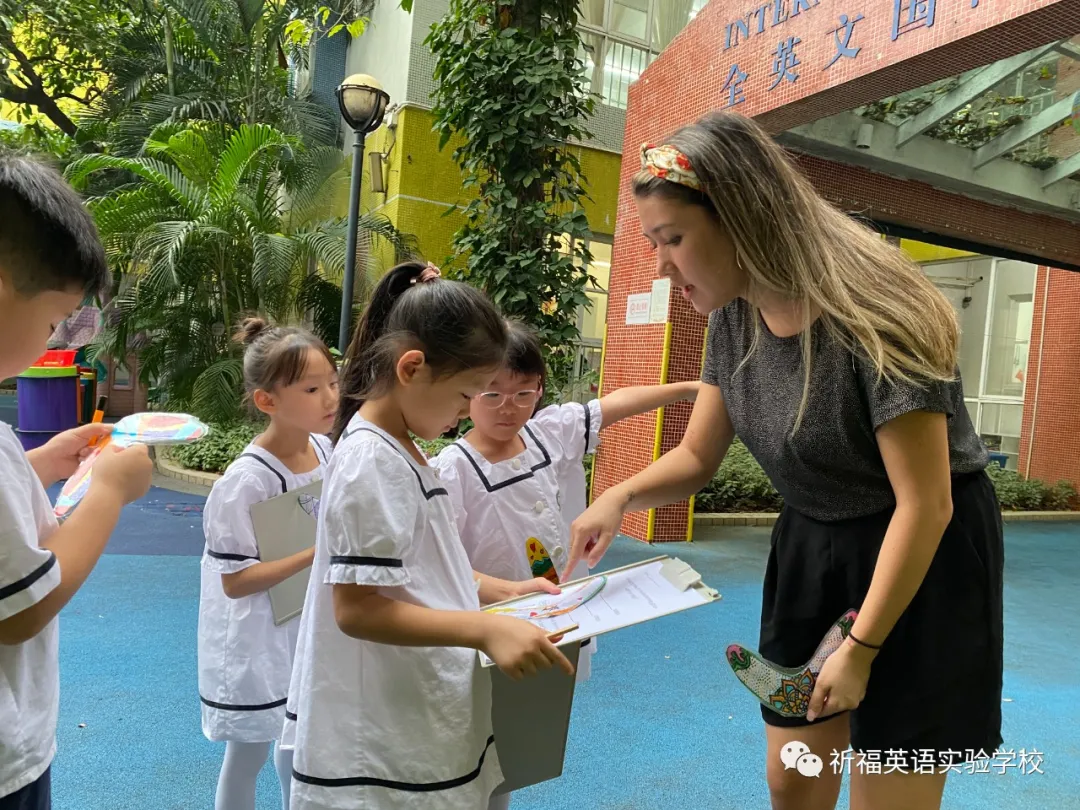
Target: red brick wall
[1052, 392]
[688, 80]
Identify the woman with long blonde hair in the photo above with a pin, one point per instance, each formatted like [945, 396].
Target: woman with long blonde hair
[834, 359]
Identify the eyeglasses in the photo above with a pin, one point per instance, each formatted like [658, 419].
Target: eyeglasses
[495, 399]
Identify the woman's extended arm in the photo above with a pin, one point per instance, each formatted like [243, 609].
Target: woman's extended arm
[673, 477]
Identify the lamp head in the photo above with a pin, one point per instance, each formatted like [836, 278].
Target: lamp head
[362, 102]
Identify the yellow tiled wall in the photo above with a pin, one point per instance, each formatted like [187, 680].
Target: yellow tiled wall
[423, 183]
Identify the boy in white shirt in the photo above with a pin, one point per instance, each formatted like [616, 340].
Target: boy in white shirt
[50, 260]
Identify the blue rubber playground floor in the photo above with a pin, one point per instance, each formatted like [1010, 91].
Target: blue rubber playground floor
[662, 725]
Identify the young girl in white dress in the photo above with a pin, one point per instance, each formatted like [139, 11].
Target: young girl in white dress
[245, 661]
[516, 480]
[392, 707]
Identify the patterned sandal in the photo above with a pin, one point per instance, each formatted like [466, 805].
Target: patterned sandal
[787, 690]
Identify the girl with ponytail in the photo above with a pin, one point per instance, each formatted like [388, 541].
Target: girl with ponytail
[245, 659]
[391, 706]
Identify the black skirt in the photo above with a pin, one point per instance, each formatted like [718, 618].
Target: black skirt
[936, 682]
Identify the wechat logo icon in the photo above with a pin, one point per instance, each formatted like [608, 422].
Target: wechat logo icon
[797, 755]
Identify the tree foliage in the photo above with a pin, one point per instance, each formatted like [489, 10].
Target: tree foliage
[227, 61]
[199, 233]
[510, 82]
[53, 52]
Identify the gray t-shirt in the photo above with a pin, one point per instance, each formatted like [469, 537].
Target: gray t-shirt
[832, 468]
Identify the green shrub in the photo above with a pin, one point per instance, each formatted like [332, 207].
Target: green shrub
[1026, 495]
[218, 450]
[434, 447]
[740, 485]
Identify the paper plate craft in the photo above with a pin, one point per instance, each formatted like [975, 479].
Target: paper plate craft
[158, 428]
[540, 561]
[787, 690]
[548, 606]
[310, 504]
[144, 428]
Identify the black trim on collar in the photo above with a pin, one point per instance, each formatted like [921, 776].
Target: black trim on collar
[319, 452]
[382, 562]
[428, 493]
[414, 787]
[232, 707]
[525, 476]
[290, 716]
[270, 467]
[29, 579]
[224, 555]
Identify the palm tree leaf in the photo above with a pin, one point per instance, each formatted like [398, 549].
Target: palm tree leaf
[244, 147]
[216, 392]
[165, 177]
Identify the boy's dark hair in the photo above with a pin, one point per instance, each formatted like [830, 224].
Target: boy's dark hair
[48, 240]
[275, 355]
[524, 355]
[455, 325]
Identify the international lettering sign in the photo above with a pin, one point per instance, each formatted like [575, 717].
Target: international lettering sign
[785, 65]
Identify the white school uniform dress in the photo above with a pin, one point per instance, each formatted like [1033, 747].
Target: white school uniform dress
[29, 685]
[380, 726]
[503, 509]
[245, 660]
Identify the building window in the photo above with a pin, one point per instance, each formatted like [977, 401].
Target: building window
[994, 301]
[621, 38]
[591, 319]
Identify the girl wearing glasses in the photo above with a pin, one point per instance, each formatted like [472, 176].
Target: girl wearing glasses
[516, 479]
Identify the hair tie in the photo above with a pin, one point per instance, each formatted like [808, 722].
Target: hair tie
[427, 275]
[668, 163]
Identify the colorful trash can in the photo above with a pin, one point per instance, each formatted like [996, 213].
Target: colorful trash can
[48, 403]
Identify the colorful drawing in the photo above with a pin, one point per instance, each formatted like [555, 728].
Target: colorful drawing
[310, 504]
[548, 606]
[540, 561]
[77, 486]
[787, 690]
[158, 428]
[144, 428]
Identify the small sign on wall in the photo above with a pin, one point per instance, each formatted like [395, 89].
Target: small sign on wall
[638, 308]
[661, 295]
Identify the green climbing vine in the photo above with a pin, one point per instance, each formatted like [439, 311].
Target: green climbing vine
[511, 84]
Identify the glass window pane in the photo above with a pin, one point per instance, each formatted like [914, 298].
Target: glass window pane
[594, 317]
[1010, 329]
[601, 263]
[630, 18]
[591, 12]
[1000, 429]
[592, 54]
[623, 65]
[669, 18]
[972, 406]
[967, 285]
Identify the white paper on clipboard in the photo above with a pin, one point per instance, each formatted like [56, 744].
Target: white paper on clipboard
[630, 595]
[283, 528]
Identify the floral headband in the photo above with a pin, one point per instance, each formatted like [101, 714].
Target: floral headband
[428, 274]
[668, 163]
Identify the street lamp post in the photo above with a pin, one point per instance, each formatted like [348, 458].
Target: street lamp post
[363, 103]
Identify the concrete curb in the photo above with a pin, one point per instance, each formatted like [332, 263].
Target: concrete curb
[170, 469]
[709, 519]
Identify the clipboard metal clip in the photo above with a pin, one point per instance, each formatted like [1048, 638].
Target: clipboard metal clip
[679, 574]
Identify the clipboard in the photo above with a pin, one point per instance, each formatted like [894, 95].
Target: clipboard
[531, 721]
[531, 717]
[283, 528]
[632, 594]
